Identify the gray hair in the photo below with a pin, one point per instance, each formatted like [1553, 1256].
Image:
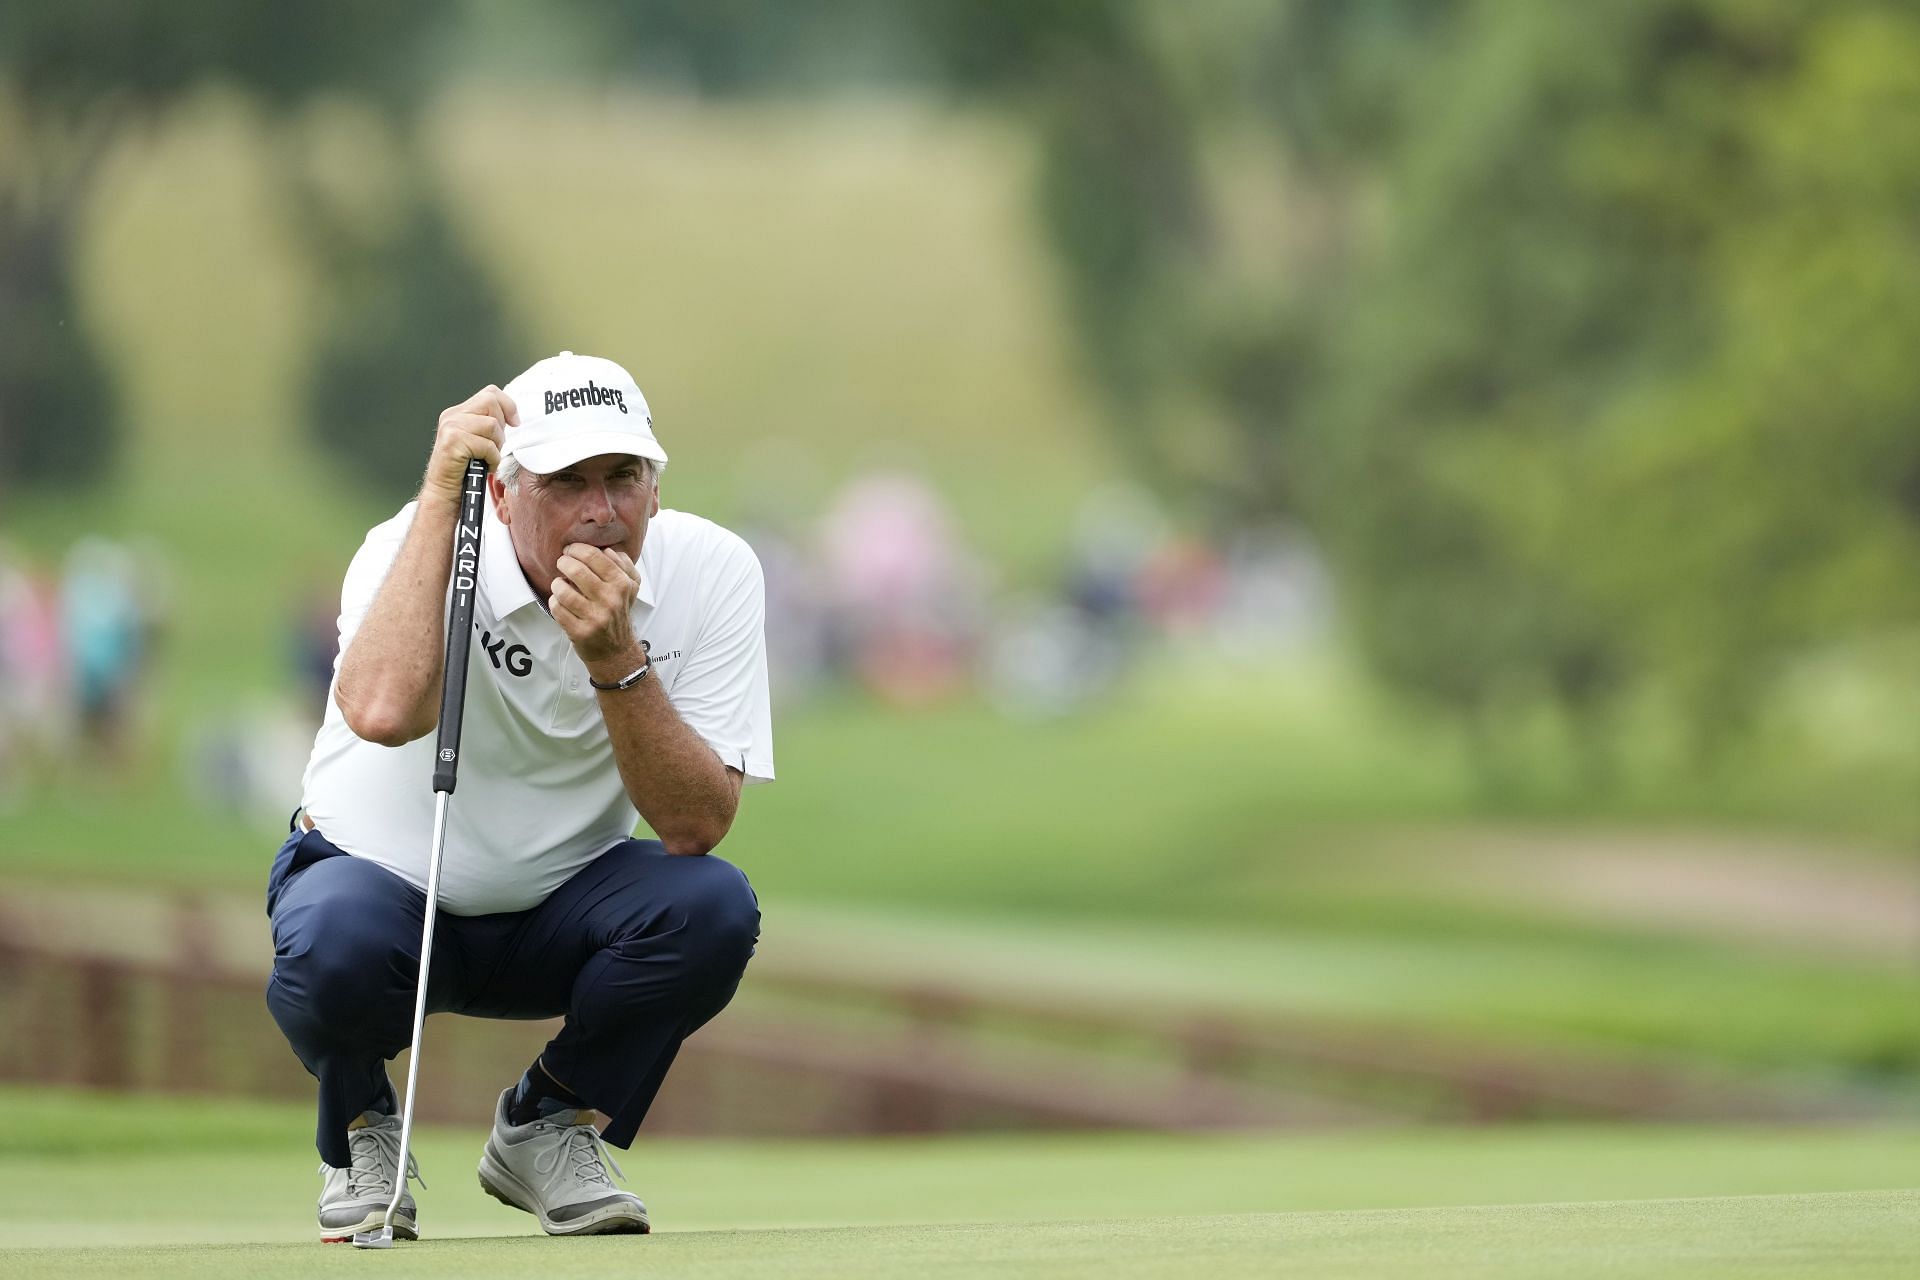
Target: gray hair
[510, 470]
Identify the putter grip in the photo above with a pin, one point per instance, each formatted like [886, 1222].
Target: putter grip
[465, 582]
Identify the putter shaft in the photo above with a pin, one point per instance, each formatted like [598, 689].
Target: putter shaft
[462, 591]
[420, 1000]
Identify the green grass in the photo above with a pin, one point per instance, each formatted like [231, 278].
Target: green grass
[1249, 841]
[1822, 1237]
[1224, 880]
[1572, 988]
[96, 1185]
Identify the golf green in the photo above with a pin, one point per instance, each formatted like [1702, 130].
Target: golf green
[99, 1184]
[1860, 1234]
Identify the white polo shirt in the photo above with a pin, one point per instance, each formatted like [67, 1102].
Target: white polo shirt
[538, 794]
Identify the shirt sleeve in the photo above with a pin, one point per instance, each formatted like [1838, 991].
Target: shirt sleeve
[721, 691]
[371, 564]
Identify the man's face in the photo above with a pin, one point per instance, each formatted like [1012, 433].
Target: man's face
[604, 501]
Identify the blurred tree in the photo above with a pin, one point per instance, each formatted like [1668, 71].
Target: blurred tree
[1576, 334]
[1117, 188]
[411, 322]
[77, 78]
[1628, 335]
[750, 46]
[56, 406]
[412, 326]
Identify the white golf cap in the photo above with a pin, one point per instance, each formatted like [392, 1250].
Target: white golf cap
[577, 407]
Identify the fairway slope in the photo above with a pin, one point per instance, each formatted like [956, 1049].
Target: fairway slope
[1823, 1237]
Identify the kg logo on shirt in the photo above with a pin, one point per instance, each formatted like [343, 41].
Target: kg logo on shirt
[516, 659]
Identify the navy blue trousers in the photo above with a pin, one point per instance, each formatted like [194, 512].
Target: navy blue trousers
[638, 950]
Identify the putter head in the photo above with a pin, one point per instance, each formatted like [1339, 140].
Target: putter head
[381, 1239]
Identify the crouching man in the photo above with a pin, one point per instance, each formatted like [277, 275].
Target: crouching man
[618, 671]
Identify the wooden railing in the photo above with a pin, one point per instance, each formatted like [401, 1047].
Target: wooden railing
[831, 1051]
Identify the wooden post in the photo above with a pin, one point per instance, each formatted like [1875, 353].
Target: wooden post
[185, 998]
[105, 1023]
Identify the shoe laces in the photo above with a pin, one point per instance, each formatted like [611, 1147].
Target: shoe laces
[375, 1151]
[585, 1153]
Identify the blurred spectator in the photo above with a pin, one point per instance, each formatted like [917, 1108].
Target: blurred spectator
[33, 705]
[107, 626]
[1277, 594]
[247, 763]
[1115, 532]
[908, 600]
[800, 635]
[799, 639]
[1049, 658]
[314, 640]
[1182, 586]
[240, 759]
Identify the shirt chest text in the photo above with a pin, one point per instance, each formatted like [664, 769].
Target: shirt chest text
[542, 682]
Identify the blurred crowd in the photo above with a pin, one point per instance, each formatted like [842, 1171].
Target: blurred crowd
[883, 594]
[74, 645]
[879, 592]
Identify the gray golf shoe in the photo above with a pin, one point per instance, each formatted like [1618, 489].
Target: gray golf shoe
[356, 1198]
[556, 1169]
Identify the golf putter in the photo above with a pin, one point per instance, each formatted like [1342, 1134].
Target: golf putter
[446, 762]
